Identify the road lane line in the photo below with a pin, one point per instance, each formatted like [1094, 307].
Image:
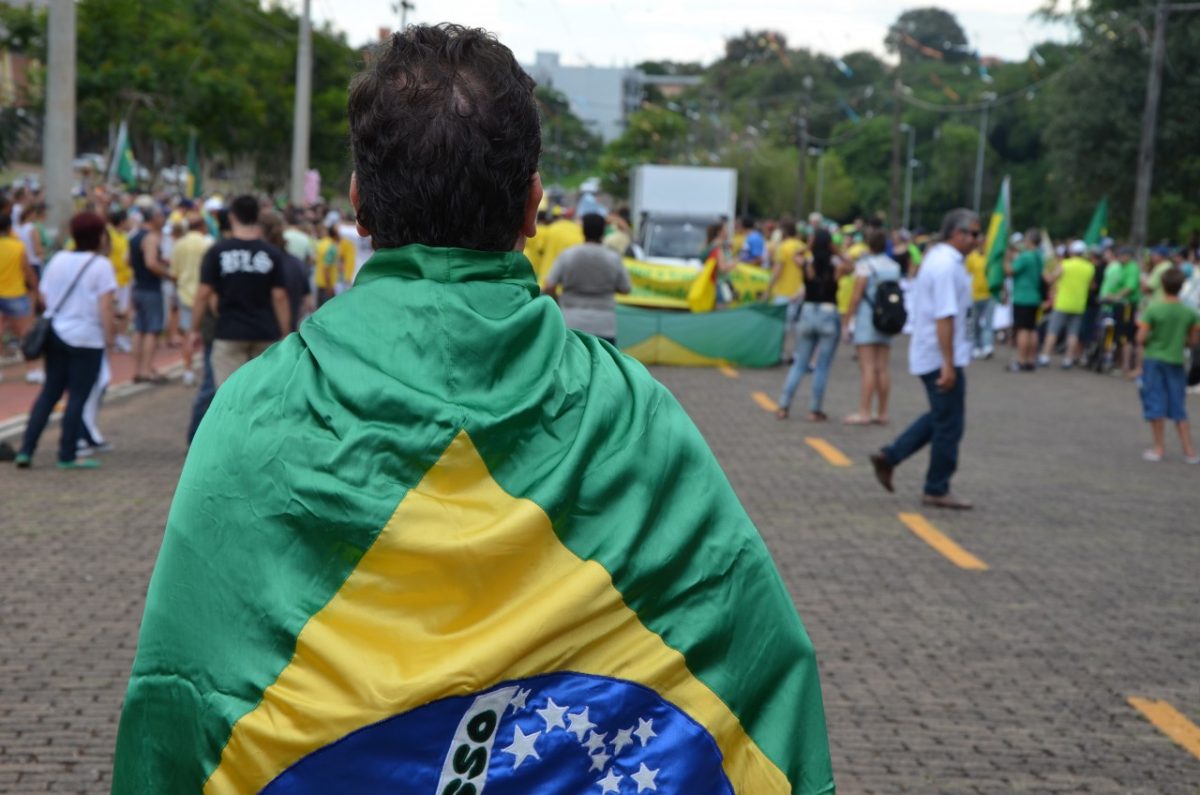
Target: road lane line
[765, 402]
[1170, 722]
[830, 453]
[943, 544]
[728, 371]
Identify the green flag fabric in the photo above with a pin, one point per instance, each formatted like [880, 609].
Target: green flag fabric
[1098, 228]
[124, 166]
[195, 184]
[436, 540]
[996, 246]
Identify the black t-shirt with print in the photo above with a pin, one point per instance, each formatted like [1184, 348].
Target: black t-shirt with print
[242, 273]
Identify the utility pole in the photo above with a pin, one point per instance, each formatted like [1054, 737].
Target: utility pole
[404, 6]
[58, 142]
[302, 107]
[983, 128]
[1145, 163]
[820, 181]
[894, 190]
[908, 175]
[802, 172]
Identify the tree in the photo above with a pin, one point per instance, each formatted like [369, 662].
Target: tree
[924, 33]
[569, 148]
[652, 135]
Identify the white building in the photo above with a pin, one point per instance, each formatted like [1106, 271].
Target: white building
[602, 97]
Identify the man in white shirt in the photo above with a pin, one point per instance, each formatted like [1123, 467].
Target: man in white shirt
[939, 352]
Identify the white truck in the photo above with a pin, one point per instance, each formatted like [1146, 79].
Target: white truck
[673, 205]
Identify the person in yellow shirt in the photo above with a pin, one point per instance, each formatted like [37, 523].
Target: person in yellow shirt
[349, 257]
[560, 236]
[118, 236]
[845, 285]
[1070, 282]
[330, 264]
[787, 273]
[18, 283]
[185, 266]
[982, 335]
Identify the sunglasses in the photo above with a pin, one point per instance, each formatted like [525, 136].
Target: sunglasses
[972, 232]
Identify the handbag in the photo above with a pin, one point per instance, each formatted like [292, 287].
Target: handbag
[33, 344]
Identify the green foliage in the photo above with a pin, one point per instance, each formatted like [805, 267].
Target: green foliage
[920, 32]
[570, 151]
[652, 135]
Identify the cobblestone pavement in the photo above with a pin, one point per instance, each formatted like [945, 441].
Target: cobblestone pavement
[936, 679]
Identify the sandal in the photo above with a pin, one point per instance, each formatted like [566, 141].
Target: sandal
[781, 413]
[856, 419]
[879, 420]
[817, 416]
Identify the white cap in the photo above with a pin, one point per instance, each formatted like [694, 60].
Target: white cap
[1016, 238]
[332, 217]
[213, 204]
[1079, 247]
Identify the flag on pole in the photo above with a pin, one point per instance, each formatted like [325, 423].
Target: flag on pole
[195, 184]
[997, 240]
[504, 559]
[1098, 229]
[124, 167]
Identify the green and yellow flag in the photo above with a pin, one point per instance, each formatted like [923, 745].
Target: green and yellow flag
[124, 167]
[195, 183]
[996, 246]
[435, 541]
[1098, 228]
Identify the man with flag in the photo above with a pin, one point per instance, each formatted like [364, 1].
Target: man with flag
[436, 541]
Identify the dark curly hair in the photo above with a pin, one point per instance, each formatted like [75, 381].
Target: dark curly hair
[446, 140]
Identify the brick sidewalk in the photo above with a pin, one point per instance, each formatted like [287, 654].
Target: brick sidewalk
[936, 679]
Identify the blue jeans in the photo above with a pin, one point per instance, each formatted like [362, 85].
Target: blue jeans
[818, 329]
[71, 370]
[204, 395]
[941, 427]
[983, 336]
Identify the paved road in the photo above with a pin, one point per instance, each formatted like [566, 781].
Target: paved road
[937, 679]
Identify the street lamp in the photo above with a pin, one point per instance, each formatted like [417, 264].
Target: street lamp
[908, 174]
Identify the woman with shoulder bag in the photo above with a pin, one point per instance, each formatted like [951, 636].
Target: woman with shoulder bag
[874, 346]
[77, 288]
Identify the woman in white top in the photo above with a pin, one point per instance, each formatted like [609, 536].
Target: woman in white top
[873, 346]
[77, 288]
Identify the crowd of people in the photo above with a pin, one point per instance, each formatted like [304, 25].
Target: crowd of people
[219, 280]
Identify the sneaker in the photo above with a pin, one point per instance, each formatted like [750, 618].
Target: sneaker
[85, 450]
[23, 461]
[1151, 456]
[1043, 361]
[87, 463]
[1192, 459]
[35, 377]
[189, 378]
[946, 501]
[1015, 367]
[989, 353]
[1067, 364]
[123, 344]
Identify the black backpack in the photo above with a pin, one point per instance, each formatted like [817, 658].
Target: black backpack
[888, 314]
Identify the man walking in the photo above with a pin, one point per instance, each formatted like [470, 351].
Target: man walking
[245, 276]
[939, 352]
[149, 306]
[435, 541]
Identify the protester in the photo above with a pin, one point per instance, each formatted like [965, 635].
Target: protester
[874, 346]
[818, 327]
[559, 236]
[618, 239]
[246, 278]
[77, 288]
[436, 502]
[18, 286]
[185, 268]
[1165, 331]
[149, 306]
[983, 307]
[1071, 282]
[331, 264]
[939, 353]
[787, 274]
[30, 234]
[590, 276]
[753, 250]
[300, 301]
[1026, 270]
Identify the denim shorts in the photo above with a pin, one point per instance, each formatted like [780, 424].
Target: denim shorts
[1071, 321]
[15, 307]
[149, 310]
[1163, 391]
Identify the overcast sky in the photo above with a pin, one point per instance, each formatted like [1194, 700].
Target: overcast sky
[624, 32]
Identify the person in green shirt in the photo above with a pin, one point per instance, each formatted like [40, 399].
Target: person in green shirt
[1071, 282]
[1127, 329]
[1166, 328]
[1026, 272]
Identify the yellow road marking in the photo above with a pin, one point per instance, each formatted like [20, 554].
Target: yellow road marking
[934, 538]
[728, 371]
[830, 453]
[765, 402]
[1170, 722]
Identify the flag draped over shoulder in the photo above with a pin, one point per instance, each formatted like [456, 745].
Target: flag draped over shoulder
[1098, 228]
[997, 240]
[464, 548]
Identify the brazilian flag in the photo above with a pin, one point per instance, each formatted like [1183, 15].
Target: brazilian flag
[996, 244]
[435, 542]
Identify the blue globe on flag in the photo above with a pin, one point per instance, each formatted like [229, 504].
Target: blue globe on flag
[557, 734]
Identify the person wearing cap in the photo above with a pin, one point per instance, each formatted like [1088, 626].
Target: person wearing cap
[1026, 272]
[1070, 282]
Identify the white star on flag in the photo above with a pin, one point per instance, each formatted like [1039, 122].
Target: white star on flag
[624, 737]
[580, 724]
[553, 715]
[600, 760]
[645, 730]
[645, 778]
[595, 742]
[610, 783]
[522, 746]
[517, 702]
